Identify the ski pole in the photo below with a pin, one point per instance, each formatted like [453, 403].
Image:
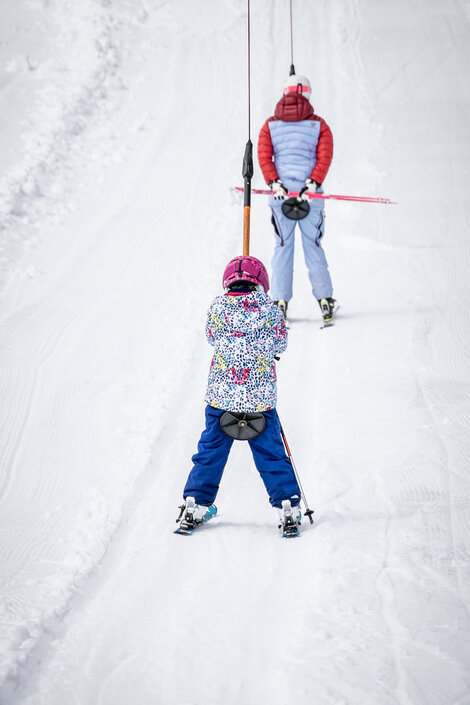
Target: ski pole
[325, 196]
[308, 512]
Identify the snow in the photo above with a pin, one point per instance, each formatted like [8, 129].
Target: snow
[123, 125]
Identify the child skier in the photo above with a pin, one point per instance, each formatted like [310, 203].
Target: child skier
[247, 331]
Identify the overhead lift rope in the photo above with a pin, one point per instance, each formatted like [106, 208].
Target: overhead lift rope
[247, 172]
[292, 69]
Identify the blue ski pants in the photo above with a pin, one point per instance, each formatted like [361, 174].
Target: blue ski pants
[312, 229]
[269, 455]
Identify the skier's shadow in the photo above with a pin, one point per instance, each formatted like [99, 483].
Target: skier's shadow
[265, 528]
[341, 316]
[240, 524]
[303, 320]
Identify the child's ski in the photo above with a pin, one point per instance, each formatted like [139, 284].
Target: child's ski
[188, 524]
[290, 517]
[290, 531]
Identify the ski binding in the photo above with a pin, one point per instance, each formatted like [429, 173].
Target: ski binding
[290, 520]
[188, 521]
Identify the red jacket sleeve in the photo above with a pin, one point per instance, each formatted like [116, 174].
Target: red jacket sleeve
[265, 154]
[324, 153]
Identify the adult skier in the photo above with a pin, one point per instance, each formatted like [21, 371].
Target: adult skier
[295, 149]
[247, 331]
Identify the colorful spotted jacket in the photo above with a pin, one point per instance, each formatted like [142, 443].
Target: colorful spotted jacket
[246, 330]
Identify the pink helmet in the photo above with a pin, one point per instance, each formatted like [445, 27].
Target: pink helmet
[246, 269]
[298, 84]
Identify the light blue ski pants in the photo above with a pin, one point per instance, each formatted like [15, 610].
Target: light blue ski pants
[311, 228]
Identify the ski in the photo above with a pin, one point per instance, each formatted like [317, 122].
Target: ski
[325, 196]
[282, 306]
[290, 517]
[188, 524]
[290, 532]
[329, 322]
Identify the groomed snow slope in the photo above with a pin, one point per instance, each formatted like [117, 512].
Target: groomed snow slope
[123, 125]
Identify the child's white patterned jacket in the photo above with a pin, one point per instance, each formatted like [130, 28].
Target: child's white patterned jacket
[247, 330]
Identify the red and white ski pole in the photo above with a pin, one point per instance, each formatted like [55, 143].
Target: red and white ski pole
[308, 512]
[326, 196]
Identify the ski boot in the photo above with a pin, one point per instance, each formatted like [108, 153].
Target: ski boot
[328, 308]
[283, 306]
[290, 518]
[192, 515]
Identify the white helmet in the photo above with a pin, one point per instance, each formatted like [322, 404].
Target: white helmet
[298, 84]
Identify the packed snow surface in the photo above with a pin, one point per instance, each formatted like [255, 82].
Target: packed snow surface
[122, 128]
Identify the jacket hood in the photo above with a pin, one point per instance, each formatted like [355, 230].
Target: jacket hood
[247, 312]
[293, 107]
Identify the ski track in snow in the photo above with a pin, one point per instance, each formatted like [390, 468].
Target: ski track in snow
[111, 252]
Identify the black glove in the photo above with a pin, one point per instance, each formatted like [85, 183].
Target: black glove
[308, 190]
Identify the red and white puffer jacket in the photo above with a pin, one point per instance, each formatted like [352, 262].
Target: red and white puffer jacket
[292, 149]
